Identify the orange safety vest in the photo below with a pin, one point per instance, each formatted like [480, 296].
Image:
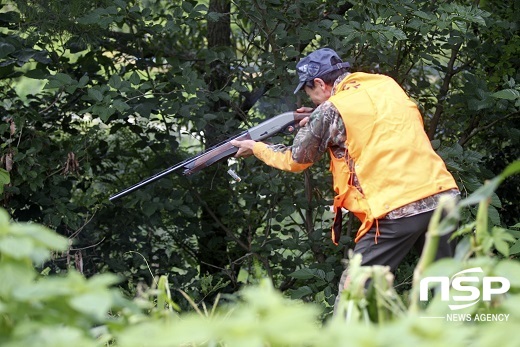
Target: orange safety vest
[393, 159]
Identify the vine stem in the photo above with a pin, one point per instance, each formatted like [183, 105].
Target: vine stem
[431, 245]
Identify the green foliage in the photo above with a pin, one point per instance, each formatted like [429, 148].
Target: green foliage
[63, 310]
[40, 310]
[98, 95]
[4, 179]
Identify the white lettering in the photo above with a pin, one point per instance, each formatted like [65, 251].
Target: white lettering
[466, 285]
[457, 285]
[487, 289]
[491, 317]
[458, 317]
[424, 287]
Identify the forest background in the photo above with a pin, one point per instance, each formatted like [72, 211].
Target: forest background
[98, 95]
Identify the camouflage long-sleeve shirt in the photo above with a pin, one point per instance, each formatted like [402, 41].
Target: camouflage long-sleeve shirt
[324, 130]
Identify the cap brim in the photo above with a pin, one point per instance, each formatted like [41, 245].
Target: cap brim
[300, 85]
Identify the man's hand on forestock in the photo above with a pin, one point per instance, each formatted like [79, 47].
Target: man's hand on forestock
[304, 110]
[245, 148]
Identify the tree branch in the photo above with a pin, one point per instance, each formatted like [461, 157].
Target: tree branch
[221, 225]
[443, 92]
[309, 219]
[476, 130]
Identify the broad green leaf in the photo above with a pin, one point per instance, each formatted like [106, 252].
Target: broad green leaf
[501, 240]
[4, 179]
[41, 235]
[95, 303]
[394, 33]
[120, 105]
[320, 274]
[509, 269]
[515, 248]
[115, 81]
[134, 78]
[508, 94]
[186, 210]
[14, 275]
[342, 30]
[103, 280]
[423, 15]
[484, 192]
[51, 336]
[150, 208]
[38, 74]
[301, 292]
[95, 94]
[303, 274]
[4, 222]
[83, 81]
[215, 16]
[16, 247]
[102, 112]
[187, 7]
[493, 215]
[63, 78]
[210, 116]
[46, 288]
[6, 49]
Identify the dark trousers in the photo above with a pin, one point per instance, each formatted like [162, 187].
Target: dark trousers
[396, 239]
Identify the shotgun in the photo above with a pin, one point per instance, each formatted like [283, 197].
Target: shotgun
[283, 123]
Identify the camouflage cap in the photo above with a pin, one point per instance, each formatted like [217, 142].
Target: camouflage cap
[317, 64]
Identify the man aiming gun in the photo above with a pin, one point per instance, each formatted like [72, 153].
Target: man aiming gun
[383, 166]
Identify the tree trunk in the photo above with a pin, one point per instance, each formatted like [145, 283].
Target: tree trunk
[213, 255]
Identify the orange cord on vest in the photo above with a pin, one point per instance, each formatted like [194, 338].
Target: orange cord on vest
[377, 231]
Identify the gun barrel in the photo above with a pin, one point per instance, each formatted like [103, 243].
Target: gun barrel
[147, 181]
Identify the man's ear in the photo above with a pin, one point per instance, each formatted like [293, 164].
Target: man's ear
[318, 82]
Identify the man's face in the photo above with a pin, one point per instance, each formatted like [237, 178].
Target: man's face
[320, 93]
